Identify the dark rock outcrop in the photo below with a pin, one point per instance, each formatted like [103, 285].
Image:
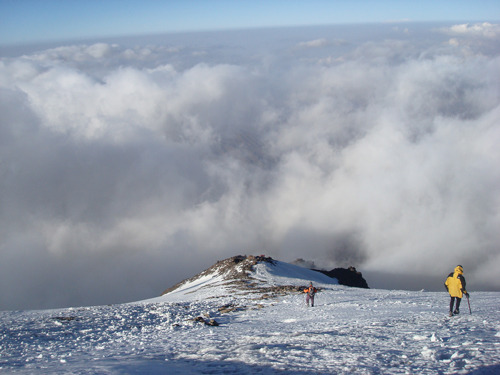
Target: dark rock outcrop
[347, 276]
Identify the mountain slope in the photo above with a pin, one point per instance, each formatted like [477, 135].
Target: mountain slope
[245, 275]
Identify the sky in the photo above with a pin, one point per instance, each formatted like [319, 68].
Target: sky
[29, 21]
[129, 164]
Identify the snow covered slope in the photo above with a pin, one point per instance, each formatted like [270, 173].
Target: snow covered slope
[243, 275]
[258, 327]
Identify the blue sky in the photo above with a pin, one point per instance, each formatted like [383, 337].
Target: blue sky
[28, 21]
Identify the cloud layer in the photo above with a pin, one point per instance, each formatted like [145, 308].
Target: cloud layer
[126, 168]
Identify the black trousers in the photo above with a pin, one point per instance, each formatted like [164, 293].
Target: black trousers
[452, 301]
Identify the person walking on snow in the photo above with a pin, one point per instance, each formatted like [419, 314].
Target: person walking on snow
[455, 285]
[310, 292]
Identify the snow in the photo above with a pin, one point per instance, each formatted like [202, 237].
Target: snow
[350, 330]
[283, 273]
[204, 287]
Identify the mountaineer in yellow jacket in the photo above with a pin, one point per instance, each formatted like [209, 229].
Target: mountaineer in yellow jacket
[455, 285]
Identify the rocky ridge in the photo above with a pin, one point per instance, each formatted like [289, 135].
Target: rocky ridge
[236, 273]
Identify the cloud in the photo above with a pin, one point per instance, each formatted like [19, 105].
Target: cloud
[473, 39]
[484, 29]
[314, 43]
[126, 169]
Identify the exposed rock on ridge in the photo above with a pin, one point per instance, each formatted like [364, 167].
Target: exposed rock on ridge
[235, 272]
[235, 268]
[347, 276]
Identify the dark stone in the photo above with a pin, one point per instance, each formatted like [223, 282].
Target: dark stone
[347, 276]
[212, 322]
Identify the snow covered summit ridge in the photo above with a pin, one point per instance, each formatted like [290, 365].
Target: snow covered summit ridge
[247, 275]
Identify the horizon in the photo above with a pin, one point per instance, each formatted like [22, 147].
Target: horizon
[206, 36]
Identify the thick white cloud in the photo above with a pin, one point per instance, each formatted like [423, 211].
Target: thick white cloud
[157, 160]
[484, 29]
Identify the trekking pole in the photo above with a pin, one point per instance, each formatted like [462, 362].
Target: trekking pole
[467, 295]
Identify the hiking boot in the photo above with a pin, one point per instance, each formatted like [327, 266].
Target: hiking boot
[451, 313]
[456, 312]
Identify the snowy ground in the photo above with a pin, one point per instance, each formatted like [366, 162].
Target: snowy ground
[348, 331]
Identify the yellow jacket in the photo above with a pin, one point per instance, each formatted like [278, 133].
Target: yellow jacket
[455, 283]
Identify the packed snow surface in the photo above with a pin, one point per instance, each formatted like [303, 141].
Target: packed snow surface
[348, 331]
